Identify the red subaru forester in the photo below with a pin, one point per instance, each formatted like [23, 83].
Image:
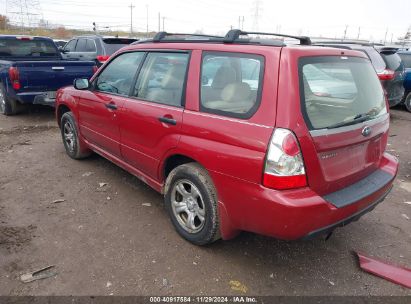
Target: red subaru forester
[239, 133]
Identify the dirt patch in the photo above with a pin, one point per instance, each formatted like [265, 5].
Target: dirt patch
[13, 239]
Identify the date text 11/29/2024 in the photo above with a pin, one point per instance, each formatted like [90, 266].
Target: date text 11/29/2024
[203, 299]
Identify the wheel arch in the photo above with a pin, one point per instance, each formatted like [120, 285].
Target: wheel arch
[61, 109]
[174, 160]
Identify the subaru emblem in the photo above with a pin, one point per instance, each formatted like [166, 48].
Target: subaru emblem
[366, 131]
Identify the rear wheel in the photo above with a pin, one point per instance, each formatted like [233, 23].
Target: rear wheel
[69, 133]
[407, 102]
[8, 106]
[191, 202]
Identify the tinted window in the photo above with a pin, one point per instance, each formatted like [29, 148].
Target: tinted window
[406, 59]
[111, 45]
[70, 46]
[375, 58]
[231, 83]
[27, 48]
[393, 61]
[118, 76]
[337, 89]
[81, 45]
[162, 78]
[90, 46]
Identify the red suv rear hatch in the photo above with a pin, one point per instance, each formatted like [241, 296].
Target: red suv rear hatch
[344, 108]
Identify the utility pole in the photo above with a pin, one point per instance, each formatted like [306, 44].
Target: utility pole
[131, 18]
[242, 24]
[147, 21]
[159, 21]
[385, 38]
[345, 32]
[257, 8]
[359, 31]
[163, 23]
[392, 36]
[239, 22]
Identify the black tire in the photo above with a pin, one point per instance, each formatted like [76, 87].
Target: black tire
[72, 143]
[194, 174]
[8, 106]
[407, 102]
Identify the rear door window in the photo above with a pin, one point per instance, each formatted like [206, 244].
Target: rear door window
[162, 78]
[337, 91]
[231, 83]
[81, 45]
[118, 75]
[90, 46]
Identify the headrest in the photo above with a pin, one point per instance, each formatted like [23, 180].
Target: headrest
[223, 77]
[238, 91]
[174, 78]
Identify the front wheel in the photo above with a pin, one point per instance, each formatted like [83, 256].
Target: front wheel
[407, 102]
[191, 202]
[69, 133]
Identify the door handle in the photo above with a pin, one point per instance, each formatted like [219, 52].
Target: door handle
[111, 106]
[168, 120]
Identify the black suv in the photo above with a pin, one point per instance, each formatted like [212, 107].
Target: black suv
[386, 62]
[94, 47]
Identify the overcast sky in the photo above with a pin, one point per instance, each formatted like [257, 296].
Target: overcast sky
[309, 17]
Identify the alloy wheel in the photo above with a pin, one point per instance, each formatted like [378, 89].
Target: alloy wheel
[69, 135]
[188, 206]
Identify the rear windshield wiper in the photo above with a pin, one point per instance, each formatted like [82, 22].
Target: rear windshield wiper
[357, 119]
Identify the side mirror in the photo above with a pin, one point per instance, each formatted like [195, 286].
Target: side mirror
[81, 84]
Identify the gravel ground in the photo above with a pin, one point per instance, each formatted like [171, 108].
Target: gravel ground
[117, 239]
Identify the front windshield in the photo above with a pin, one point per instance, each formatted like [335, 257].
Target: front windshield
[339, 89]
[27, 48]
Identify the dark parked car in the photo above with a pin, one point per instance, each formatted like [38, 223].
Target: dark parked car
[94, 47]
[386, 62]
[406, 59]
[239, 133]
[32, 70]
[393, 77]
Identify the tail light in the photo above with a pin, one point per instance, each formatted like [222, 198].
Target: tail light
[95, 69]
[14, 78]
[284, 166]
[386, 74]
[102, 58]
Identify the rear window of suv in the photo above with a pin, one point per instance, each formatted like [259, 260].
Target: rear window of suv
[112, 45]
[393, 61]
[337, 90]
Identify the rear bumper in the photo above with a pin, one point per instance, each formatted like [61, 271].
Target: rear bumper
[355, 217]
[35, 98]
[292, 214]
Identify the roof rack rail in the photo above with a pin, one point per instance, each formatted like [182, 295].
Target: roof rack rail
[235, 34]
[364, 43]
[161, 35]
